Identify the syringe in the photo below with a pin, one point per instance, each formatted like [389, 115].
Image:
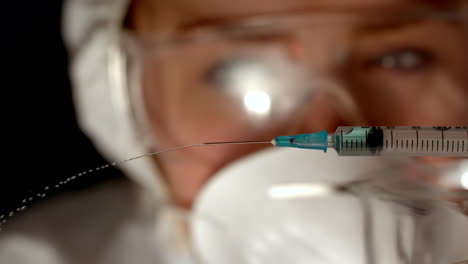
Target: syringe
[381, 141]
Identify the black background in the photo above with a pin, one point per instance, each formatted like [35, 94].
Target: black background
[42, 144]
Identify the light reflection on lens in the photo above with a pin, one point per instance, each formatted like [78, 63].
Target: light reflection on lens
[258, 102]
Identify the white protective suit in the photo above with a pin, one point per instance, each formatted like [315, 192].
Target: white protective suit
[128, 222]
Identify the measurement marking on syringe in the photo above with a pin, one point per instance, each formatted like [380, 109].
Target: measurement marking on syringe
[417, 140]
[391, 138]
[341, 141]
[443, 138]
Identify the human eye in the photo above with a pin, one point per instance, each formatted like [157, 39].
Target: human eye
[404, 60]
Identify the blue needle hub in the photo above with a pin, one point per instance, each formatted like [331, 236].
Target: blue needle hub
[306, 141]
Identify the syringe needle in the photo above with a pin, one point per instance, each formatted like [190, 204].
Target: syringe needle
[191, 146]
[238, 142]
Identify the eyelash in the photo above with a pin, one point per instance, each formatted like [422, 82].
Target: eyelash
[402, 60]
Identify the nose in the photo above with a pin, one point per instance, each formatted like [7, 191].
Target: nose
[328, 109]
[323, 54]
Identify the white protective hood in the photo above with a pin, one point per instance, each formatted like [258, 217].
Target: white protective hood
[90, 30]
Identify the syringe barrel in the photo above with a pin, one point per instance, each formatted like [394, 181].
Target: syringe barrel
[402, 141]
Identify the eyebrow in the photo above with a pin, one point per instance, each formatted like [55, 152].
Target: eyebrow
[208, 21]
[386, 26]
[397, 23]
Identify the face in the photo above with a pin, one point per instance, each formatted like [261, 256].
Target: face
[385, 71]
